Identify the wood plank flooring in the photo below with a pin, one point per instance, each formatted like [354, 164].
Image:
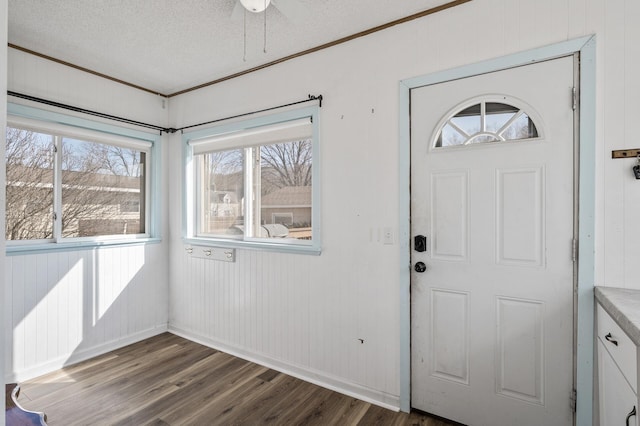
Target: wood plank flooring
[168, 380]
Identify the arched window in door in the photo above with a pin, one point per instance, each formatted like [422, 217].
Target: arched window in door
[490, 119]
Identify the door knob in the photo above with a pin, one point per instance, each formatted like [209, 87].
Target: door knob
[420, 267]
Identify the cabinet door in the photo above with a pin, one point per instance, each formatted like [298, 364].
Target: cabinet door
[617, 399]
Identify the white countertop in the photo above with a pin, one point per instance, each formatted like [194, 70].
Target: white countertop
[624, 307]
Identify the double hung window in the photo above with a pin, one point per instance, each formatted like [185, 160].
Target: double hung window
[254, 183]
[68, 184]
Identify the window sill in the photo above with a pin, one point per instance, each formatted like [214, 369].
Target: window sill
[37, 248]
[255, 245]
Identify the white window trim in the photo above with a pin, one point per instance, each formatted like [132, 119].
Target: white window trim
[263, 135]
[222, 133]
[62, 125]
[83, 134]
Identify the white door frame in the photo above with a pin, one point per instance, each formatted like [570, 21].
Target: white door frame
[586, 47]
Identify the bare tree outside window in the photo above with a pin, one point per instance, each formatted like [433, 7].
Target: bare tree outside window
[29, 186]
[286, 164]
[100, 184]
[282, 177]
[286, 174]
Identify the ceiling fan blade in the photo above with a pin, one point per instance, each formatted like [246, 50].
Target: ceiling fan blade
[291, 9]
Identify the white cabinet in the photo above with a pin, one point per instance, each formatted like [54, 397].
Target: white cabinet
[617, 399]
[617, 373]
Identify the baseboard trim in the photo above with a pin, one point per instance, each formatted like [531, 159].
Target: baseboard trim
[82, 355]
[382, 399]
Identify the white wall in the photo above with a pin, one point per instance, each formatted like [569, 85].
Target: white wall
[306, 313]
[3, 122]
[297, 312]
[65, 306]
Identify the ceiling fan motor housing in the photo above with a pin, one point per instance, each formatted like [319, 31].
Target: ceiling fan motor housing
[255, 6]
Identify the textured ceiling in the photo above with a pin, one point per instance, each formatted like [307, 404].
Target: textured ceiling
[171, 45]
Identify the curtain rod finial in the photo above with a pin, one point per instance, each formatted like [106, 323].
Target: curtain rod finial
[316, 98]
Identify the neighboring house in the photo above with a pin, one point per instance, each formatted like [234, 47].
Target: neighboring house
[341, 318]
[93, 204]
[289, 206]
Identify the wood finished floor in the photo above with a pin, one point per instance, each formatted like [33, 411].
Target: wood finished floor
[167, 380]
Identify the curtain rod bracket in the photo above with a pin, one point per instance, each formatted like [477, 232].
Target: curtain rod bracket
[316, 98]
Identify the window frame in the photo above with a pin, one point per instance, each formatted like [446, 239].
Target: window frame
[190, 203]
[61, 126]
[488, 98]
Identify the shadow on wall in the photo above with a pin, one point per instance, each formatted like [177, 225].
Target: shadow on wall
[64, 307]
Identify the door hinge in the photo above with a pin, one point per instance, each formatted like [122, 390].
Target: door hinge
[574, 250]
[574, 400]
[574, 98]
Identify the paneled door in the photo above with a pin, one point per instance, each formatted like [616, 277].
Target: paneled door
[492, 217]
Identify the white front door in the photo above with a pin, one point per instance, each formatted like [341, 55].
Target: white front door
[492, 312]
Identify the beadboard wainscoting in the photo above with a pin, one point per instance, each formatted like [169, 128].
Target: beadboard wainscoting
[340, 318]
[64, 307]
[286, 312]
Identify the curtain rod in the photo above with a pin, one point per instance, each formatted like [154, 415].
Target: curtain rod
[152, 126]
[310, 98]
[87, 111]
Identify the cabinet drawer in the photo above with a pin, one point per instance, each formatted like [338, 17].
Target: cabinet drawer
[619, 345]
[617, 399]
